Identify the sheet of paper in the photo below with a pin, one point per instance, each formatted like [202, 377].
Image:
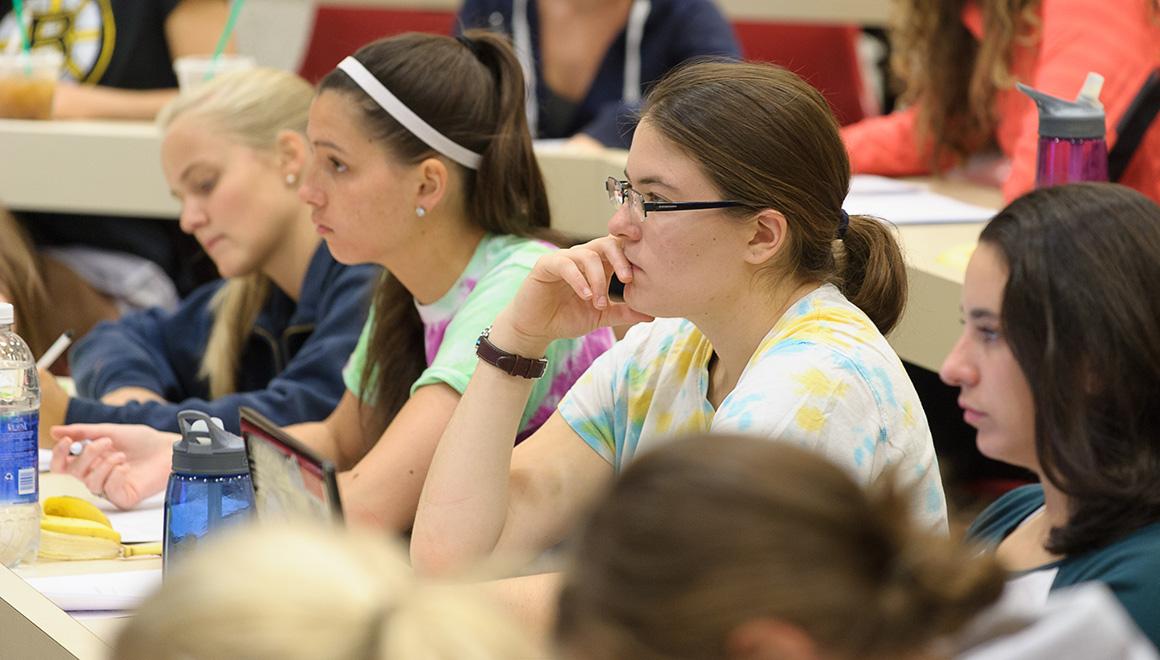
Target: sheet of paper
[917, 207]
[142, 524]
[870, 184]
[94, 592]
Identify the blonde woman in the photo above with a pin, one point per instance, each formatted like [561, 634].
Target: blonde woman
[960, 60]
[233, 600]
[274, 333]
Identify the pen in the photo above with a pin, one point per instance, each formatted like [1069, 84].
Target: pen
[50, 356]
[78, 446]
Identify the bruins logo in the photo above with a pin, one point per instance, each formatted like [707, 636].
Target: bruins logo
[82, 30]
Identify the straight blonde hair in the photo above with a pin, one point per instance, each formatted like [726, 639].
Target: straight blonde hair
[299, 593]
[250, 107]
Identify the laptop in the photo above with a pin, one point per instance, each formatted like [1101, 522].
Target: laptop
[291, 482]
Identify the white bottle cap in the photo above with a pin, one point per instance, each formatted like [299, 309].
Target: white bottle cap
[1090, 92]
[7, 314]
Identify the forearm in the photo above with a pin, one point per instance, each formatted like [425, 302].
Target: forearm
[93, 102]
[465, 499]
[318, 436]
[531, 600]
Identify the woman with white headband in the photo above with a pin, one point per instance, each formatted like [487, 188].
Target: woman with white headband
[422, 163]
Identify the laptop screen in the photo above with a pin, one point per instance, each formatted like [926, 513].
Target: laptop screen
[291, 482]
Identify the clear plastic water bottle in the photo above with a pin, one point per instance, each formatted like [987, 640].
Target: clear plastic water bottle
[209, 487]
[19, 422]
[1072, 146]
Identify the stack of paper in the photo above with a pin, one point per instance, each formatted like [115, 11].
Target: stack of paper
[905, 203]
[98, 592]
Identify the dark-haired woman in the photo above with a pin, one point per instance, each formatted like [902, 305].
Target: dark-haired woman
[960, 60]
[770, 306]
[442, 190]
[1059, 367]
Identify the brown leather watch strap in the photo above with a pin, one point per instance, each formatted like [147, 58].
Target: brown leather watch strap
[509, 363]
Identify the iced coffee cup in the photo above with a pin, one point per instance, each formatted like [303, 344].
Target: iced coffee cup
[27, 83]
[193, 70]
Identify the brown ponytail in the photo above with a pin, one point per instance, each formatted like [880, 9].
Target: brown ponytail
[472, 91]
[711, 532]
[765, 137]
[871, 271]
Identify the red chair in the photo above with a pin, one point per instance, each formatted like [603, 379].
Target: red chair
[339, 31]
[825, 55]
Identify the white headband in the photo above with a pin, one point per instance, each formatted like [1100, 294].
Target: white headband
[402, 114]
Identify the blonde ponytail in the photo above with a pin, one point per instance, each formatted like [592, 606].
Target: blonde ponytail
[263, 592]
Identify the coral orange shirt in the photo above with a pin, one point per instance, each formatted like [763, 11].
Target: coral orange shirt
[1119, 39]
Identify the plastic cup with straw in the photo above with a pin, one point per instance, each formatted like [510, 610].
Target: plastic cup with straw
[192, 71]
[235, 10]
[27, 79]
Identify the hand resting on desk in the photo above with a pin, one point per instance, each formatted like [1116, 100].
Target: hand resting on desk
[125, 463]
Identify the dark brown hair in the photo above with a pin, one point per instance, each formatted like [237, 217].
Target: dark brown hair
[710, 532]
[1082, 318]
[471, 91]
[765, 137]
[953, 77]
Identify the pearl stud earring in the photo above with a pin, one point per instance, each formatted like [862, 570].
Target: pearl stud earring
[291, 179]
[420, 211]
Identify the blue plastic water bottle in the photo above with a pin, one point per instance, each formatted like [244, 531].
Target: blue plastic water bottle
[210, 484]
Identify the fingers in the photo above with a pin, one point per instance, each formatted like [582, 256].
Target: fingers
[587, 269]
[120, 489]
[610, 249]
[100, 469]
[60, 454]
[622, 314]
[81, 431]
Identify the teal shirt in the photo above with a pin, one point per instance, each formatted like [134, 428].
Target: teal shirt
[1130, 566]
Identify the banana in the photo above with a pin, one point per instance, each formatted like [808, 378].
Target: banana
[79, 527]
[61, 546]
[76, 538]
[67, 506]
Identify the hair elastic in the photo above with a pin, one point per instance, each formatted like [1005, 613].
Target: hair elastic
[405, 116]
[843, 224]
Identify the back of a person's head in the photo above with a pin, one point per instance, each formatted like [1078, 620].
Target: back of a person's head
[250, 106]
[713, 532]
[307, 593]
[768, 139]
[1082, 318]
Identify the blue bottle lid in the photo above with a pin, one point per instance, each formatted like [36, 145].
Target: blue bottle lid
[1082, 118]
[205, 448]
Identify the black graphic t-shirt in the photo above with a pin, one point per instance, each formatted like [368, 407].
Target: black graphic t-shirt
[115, 43]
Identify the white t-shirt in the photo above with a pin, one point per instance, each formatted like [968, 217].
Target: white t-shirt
[823, 377]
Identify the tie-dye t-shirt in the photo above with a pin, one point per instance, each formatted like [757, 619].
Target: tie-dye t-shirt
[452, 324]
[823, 377]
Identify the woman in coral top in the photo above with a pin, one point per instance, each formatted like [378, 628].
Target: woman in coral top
[961, 60]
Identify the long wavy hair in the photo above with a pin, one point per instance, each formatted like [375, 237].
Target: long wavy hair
[951, 76]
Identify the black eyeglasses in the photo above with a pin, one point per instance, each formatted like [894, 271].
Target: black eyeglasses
[621, 191]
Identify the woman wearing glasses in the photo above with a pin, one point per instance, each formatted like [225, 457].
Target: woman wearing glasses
[770, 306]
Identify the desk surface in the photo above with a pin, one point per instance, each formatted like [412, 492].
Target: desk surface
[112, 168]
[32, 627]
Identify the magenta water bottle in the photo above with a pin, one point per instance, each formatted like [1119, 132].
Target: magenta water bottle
[1072, 146]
